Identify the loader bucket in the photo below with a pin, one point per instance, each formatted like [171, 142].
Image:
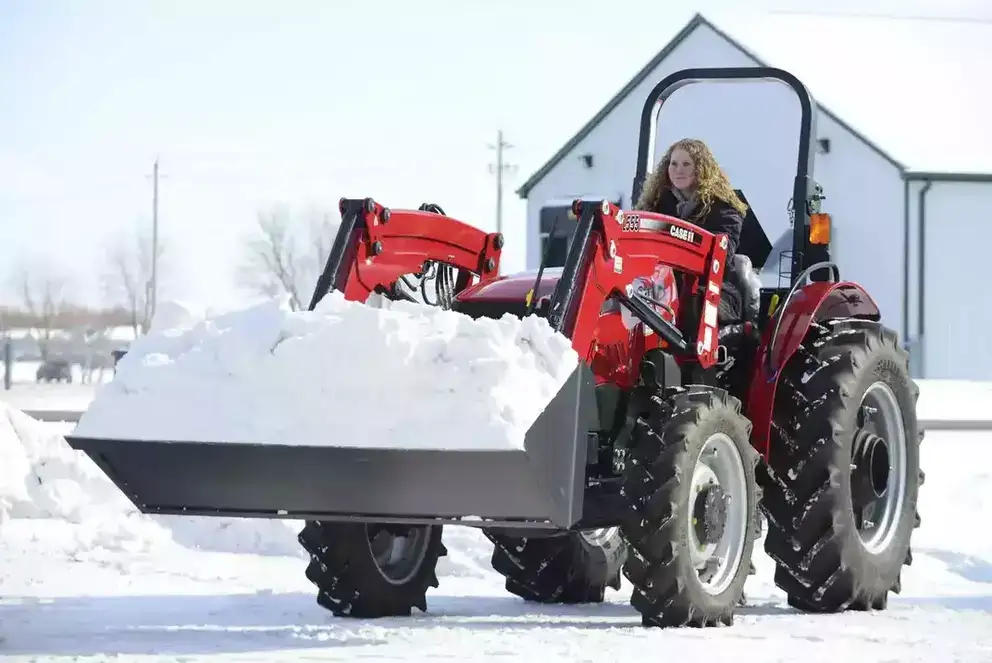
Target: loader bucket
[542, 483]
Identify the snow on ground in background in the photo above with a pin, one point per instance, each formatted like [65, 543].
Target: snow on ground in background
[25, 371]
[342, 375]
[34, 397]
[132, 589]
[940, 400]
[953, 546]
[954, 400]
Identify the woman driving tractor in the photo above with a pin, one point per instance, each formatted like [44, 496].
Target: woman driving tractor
[689, 184]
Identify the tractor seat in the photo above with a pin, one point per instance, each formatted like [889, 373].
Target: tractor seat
[734, 334]
[749, 284]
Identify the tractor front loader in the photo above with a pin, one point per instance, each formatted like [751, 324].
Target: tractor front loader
[652, 460]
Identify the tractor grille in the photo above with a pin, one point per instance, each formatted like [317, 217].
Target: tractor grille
[490, 309]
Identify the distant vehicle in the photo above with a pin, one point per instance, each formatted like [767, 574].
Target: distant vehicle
[55, 370]
[117, 354]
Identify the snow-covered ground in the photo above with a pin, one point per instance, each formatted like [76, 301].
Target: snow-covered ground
[49, 397]
[24, 372]
[940, 400]
[84, 577]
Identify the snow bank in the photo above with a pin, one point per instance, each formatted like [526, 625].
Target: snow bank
[382, 374]
[82, 513]
[42, 478]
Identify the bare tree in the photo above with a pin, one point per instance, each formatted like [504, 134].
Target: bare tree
[287, 253]
[44, 298]
[127, 276]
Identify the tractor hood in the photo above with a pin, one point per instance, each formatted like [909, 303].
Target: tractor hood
[505, 294]
[512, 287]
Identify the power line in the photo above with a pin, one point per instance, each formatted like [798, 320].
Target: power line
[968, 20]
[499, 168]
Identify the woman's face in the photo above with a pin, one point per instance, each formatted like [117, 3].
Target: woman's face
[682, 169]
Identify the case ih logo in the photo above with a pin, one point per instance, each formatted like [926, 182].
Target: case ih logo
[634, 223]
[686, 235]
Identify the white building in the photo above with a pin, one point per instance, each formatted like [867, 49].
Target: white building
[922, 137]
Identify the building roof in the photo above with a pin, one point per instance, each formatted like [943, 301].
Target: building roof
[910, 91]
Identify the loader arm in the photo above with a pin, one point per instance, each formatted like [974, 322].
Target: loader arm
[611, 248]
[375, 246]
[540, 484]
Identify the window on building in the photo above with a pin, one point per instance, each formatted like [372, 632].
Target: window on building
[564, 230]
[559, 249]
[559, 217]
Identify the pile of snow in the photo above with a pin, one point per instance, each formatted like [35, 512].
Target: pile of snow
[42, 478]
[381, 373]
[78, 510]
[267, 374]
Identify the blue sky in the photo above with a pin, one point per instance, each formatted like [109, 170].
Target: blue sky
[248, 103]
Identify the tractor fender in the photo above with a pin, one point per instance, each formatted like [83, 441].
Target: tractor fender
[817, 301]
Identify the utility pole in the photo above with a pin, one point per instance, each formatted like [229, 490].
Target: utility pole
[154, 293]
[499, 168]
[151, 288]
[7, 356]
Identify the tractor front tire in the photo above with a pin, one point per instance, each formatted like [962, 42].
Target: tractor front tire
[843, 473]
[570, 568]
[368, 570]
[689, 477]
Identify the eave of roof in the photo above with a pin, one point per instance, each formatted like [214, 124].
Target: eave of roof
[696, 21]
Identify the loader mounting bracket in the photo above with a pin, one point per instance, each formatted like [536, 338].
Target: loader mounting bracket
[376, 246]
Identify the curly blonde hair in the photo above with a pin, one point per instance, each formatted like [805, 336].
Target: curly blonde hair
[711, 181]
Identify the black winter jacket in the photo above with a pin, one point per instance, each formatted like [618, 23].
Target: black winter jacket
[722, 218]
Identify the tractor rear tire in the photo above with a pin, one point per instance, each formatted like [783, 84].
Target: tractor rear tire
[353, 577]
[570, 568]
[689, 476]
[844, 456]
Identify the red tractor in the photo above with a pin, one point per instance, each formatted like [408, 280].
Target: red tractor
[653, 460]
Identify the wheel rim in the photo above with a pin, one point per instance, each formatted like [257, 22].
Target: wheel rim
[598, 537]
[398, 553]
[718, 477]
[878, 468]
